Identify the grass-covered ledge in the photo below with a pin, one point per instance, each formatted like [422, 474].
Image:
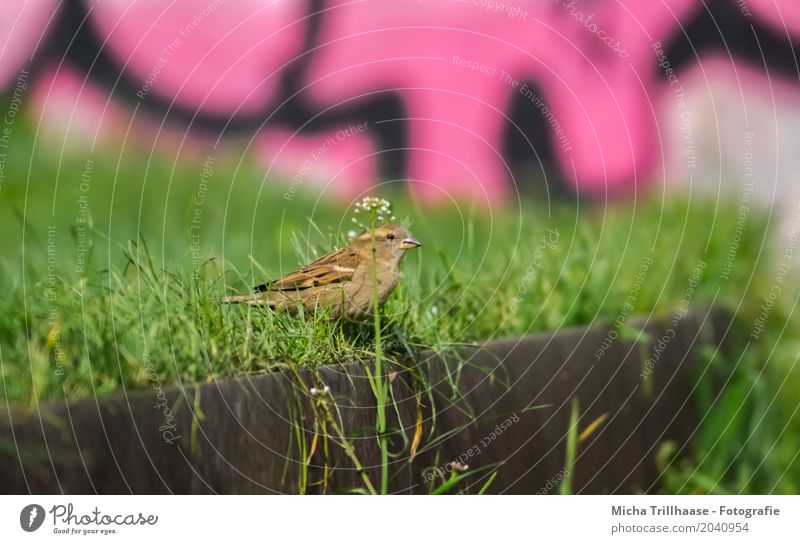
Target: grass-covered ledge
[95, 333]
[531, 414]
[112, 286]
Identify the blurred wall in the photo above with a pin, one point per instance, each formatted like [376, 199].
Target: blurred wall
[475, 98]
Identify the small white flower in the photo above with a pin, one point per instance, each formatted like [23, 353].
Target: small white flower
[351, 234]
[382, 209]
[434, 310]
[316, 392]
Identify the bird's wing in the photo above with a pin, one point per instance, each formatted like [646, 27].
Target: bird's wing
[335, 267]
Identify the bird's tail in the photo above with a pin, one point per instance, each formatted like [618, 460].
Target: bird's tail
[246, 299]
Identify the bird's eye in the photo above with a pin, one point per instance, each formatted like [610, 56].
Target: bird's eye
[390, 236]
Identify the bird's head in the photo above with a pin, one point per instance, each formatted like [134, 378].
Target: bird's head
[391, 242]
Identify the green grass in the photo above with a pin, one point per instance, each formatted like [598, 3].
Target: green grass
[146, 302]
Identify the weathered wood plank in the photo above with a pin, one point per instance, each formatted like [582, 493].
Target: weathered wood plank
[243, 440]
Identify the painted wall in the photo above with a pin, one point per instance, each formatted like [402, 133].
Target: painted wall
[476, 98]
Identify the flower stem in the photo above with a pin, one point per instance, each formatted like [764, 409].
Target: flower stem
[380, 384]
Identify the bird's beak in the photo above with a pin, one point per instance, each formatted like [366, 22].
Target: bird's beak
[409, 243]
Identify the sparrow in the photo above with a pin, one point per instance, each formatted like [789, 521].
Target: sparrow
[341, 280]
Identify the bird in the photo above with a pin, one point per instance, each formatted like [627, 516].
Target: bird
[342, 280]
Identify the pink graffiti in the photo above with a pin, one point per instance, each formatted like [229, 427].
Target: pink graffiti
[23, 26]
[341, 162]
[599, 99]
[784, 15]
[587, 68]
[75, 113]
[218, 55]
[71, 110]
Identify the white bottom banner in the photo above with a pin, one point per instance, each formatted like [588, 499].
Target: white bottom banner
[400, 519]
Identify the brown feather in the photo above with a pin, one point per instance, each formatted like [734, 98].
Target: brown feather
[335, 267]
